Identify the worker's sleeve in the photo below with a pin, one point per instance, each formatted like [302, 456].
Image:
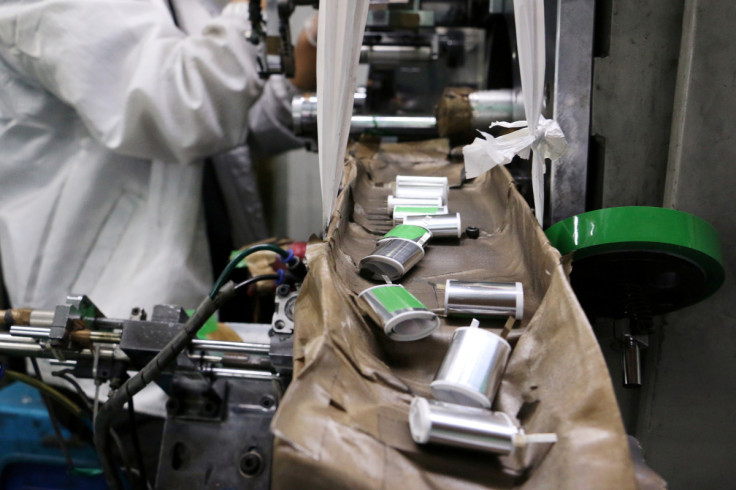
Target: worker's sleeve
[270, 124]
[141, 86]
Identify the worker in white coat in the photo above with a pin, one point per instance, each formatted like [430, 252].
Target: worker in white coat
[107, 110]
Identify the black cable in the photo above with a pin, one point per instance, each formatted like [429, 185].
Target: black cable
[127, 466]
[253, 280]
[64, 374]
[52, 416]
[149, 373]
[136, 442]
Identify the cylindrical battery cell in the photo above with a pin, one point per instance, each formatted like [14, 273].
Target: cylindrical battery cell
[412, 186]
[441, 225]
[484, 299]
[393, 201]
[466, 427]
[471, 371]
[421, 192]
[397, 252]
[416, 233]
[421, 180]
[401, 212]
[402, 316]
[391, 258]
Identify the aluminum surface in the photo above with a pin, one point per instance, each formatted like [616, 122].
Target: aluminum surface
[484, 299]
[31, 332]
[398, 125]
[441, 225]
[401, 212]
[466, 427]
[472, 369]
[392, 258]
[402, 316]
[489, 106]
[393, 201]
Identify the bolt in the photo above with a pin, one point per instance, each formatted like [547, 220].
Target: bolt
[279, 325]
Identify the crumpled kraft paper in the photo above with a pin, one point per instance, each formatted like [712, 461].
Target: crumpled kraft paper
[343, 422]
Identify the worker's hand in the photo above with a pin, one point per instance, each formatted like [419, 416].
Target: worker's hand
[305, 56]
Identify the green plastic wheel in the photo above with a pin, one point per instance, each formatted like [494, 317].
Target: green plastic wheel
[663, 258]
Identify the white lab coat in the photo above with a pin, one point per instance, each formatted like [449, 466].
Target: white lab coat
[106, 112]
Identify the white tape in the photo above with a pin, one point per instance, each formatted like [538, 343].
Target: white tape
[545, 139]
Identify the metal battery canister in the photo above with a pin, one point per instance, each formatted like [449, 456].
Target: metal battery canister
[471, 371]
[484, 299]
[397, 252]
[402, 316]
[423, 180]
[401, 212]
[421, 187]
[393, 201]
[468, 427]
[441, 225]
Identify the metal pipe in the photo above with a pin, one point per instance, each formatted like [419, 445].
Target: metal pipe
[42, 318]
[399, 125]
[632, 362]
[489, 106]
[97, 336]
[244, 373]
[304, 119]
[377, 54]
[6, 337]
[31, 332]
[32, 349]
[224, 346]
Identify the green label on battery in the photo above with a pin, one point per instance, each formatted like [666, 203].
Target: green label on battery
[417, 209]
[410, 232]
[396, 298]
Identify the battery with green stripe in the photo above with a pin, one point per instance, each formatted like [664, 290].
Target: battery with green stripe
[415, 233]
[402, 316]
[401, 212]
[397, 252]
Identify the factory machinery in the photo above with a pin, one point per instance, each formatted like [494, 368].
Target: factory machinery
[215, 388]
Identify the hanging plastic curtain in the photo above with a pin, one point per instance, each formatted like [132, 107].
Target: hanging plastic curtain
[545, 138]
[341, 26]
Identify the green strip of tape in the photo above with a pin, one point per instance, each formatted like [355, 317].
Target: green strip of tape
[417, 209]
[410, 232]
[395, 298]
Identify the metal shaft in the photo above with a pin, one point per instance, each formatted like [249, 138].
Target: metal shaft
[632, 362]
